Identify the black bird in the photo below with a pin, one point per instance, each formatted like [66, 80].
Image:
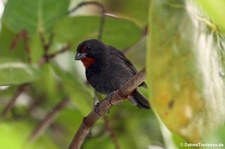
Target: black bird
[107, 69]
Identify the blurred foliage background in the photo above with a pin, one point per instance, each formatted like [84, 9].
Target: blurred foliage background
[44, 95]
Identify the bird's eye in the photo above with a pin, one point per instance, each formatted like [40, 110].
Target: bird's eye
[88, 48]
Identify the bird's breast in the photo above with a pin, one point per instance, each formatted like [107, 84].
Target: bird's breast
[106, 79]
[87, 62]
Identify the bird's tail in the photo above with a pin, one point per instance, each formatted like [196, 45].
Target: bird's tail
[139, 100]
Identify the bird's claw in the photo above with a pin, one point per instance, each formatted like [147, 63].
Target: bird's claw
[110, 97]
[96, 109]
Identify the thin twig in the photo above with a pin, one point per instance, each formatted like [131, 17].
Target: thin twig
[99, 5]
[34, 105]
[107, 123]
[48, 119]
[11, 103]
[22, 35]
[43, 42]
[102, 22]
[26, 47]
[85, 4]
[46, 46]
[65, 48]
[19, 36]
[111, 132]
[50, 40]
[46, 57]
[104, 106]
[146, 30]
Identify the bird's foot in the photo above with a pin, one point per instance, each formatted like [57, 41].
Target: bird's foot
[110, 97]
[96, 109]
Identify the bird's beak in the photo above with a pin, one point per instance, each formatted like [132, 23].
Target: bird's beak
[80, 56]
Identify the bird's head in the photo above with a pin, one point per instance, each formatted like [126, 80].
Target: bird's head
[90, 51]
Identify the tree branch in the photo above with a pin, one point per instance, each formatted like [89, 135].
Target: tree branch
[104, 106]
[11, 103]
[63, 49]
[111, 132]
[48, 119]
[100, 6]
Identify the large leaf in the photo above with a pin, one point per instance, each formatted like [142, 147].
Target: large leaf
[217, 137]
[17, 131]
[6, 40]
[15, 72]
[20, 131]
[215, 10]
[135, 9]
[33, 16]
[118, 32]
[184, 69]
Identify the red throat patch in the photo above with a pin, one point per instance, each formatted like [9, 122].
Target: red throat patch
[87, 62]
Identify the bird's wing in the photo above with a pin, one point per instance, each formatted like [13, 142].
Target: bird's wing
[122, 57]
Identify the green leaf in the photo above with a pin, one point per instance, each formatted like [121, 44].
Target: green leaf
[36, 47]
[185, 65]
[17, 131]
[217, 137]
[77, 90]
[15, 72]
[6, 40]
[176, 85]
[33, 16]
[20, 132]
[118, 32]
[215, 10]
[135, 9]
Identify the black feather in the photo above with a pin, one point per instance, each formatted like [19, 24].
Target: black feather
[110, 70]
